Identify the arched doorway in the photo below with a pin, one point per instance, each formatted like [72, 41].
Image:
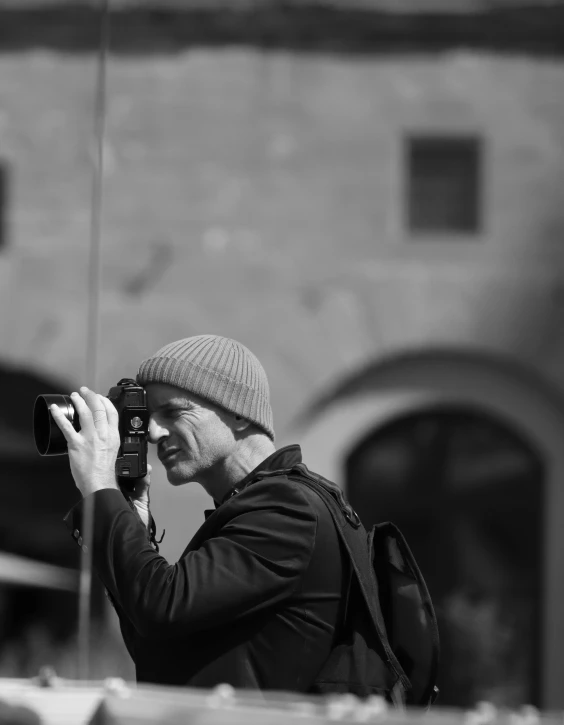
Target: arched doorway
[467, 491]
[386, 391]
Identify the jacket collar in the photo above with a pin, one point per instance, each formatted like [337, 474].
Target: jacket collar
[283, 458]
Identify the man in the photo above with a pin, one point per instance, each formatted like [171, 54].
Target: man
[257, 598]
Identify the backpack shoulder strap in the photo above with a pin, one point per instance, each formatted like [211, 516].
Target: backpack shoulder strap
[386, 539]
[354, 537]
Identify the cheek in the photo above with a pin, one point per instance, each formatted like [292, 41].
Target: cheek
[204, 438]
[223, 437]
[213, 441]
[184, 437]
[190, 436]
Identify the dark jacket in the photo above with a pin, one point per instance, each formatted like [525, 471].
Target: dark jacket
[255, 600]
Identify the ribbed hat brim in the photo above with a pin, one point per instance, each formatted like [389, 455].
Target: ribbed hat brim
[217, 369]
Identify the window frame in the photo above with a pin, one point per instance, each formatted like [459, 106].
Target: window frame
[469, 167]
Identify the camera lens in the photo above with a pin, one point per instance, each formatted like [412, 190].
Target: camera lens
[49, 439]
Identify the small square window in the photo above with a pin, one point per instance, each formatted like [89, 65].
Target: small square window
[444, 184]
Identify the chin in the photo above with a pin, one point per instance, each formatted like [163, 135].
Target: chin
[178, 477]
[174, 479]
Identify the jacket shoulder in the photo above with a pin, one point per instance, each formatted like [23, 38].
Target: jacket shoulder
[283, 490]
[275, 488]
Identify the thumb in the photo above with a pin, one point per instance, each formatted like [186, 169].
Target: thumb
[142, 486]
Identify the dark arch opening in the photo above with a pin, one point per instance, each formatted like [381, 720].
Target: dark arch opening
[466, 489]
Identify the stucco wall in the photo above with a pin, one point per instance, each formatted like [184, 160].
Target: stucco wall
[260, 196]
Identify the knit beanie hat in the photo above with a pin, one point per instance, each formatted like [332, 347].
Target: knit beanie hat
[217, 369]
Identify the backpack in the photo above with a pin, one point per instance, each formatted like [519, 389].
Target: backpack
[389, 640]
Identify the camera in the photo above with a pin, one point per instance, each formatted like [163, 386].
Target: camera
[130, 401]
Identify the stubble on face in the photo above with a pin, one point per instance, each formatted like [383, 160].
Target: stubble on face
[195, 436]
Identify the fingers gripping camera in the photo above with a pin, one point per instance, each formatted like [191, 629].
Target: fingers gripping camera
[130, 401]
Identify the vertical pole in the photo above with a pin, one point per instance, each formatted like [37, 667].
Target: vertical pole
[93, 328]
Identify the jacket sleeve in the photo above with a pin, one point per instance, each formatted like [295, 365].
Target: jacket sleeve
[253, 562]
[128, 632]
[73, 521]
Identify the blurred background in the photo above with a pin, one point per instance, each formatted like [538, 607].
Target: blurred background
[366, 193]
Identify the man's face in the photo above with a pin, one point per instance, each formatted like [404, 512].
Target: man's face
[194, 437]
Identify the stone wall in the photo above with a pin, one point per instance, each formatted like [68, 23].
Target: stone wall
[261, 195]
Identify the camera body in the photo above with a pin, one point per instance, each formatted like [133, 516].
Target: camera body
[130, 401]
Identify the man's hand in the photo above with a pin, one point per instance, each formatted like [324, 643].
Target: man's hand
[93, 450]
[140, 496]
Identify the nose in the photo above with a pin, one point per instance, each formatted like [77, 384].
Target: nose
[156, 431]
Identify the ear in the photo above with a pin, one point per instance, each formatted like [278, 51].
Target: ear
[240, 424]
